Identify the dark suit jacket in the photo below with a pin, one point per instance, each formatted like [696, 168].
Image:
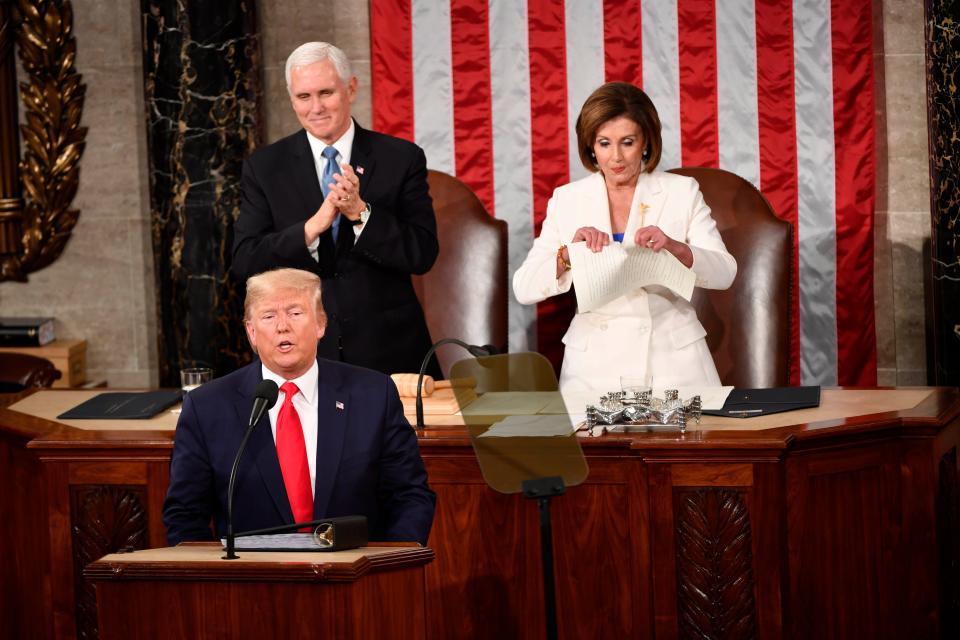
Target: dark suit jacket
[368, 460]
[375, 319]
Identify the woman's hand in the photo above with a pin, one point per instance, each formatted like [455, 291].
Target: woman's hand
[596, 240]
[653, 237]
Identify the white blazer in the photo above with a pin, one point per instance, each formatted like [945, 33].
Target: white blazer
[649, 333]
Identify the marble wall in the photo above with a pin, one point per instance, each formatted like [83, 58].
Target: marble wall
[903, 196]
[102, 288]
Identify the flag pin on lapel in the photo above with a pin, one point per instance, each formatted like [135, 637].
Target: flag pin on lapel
[360, 171]
[339, 405]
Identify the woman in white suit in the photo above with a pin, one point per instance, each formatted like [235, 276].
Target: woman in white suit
[649, 333]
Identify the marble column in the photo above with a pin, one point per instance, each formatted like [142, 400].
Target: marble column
[943, 116]
[201, 62]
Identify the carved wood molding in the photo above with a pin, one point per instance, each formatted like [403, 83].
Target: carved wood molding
[715, 581]
[54, 141]
[104, 519]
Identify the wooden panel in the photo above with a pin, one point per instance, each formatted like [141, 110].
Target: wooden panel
[24, 571]
[843, 544]
[712, 475]
[593, 553]
[108, 473]
[486, 582]
[948, 538]
[381, 605]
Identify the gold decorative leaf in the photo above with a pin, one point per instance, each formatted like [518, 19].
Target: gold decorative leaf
[53, 139]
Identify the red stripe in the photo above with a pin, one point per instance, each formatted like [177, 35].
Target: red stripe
[777, 122]
[472, 120]
[622, 44]
[548, 143]
[853, 112]
[699, 130]
[391, 61]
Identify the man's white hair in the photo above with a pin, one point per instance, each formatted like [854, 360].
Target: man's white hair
[311, 52]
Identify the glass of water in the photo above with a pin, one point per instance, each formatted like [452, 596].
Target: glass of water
[192, 378]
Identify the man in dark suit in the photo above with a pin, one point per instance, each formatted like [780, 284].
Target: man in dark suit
[349, 204]
[335, 444]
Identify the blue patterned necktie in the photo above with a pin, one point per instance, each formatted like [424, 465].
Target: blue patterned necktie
[331, 168]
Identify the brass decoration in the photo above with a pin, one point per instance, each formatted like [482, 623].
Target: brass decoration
[53, 138]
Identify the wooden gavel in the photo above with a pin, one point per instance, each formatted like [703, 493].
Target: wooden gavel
[407, 384]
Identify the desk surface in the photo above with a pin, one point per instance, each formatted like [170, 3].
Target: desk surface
[206, 558]
[836, 406]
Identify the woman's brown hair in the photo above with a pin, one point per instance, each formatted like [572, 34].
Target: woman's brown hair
[612, 100]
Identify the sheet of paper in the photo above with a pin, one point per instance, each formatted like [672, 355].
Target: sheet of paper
[601, 277]
[277, 542]
[508, 403]
[533, 426]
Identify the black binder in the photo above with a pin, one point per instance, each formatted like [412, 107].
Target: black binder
[748, 403]
[123, 406]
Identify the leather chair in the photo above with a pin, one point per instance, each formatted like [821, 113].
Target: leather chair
[464, 295]
[19, 371]
[748, 325]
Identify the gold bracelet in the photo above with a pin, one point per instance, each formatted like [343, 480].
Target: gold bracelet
[566, 265]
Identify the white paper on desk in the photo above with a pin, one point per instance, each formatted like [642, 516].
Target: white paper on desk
[606, 275]
[533, 426]
[507, 403]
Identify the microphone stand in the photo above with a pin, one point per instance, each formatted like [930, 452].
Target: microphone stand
[231, 555]
[264, 398]
[475, 350]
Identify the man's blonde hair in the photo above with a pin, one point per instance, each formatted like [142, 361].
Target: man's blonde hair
[267, 283]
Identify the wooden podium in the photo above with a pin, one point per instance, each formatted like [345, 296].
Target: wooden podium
[189, 591]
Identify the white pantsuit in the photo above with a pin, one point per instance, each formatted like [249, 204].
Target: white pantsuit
[649, 333]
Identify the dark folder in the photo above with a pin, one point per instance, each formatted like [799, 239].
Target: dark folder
[123, 406]
[747, 403]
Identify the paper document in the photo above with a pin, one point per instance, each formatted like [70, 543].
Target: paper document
[601, 277]
[533, 426]
[277, 542]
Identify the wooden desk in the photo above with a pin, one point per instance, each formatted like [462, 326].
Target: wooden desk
[842, 522]
[189, 591]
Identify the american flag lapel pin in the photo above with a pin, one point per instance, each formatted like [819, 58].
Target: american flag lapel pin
[339, 405]
[360, 171]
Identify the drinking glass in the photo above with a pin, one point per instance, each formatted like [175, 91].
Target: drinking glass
[631, 385]
[190, 379]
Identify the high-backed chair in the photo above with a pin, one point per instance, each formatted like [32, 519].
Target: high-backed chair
[748, 325]
[19, 371]
[464, 295]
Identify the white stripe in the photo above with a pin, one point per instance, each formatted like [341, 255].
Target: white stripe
[816, 177]
[512, 188]
[737, 89]
[583, 24]
[433, 83]
[661, 72]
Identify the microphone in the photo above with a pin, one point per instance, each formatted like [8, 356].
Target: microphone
[264, 398]
[475, 351]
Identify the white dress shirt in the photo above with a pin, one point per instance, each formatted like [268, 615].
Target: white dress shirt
[305, 403]
[344, 146]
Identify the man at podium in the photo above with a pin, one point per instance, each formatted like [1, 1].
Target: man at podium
[336, 442]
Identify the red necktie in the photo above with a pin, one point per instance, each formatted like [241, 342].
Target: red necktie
[292, 453]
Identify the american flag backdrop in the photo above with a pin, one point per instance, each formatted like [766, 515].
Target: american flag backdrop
[779, 92]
